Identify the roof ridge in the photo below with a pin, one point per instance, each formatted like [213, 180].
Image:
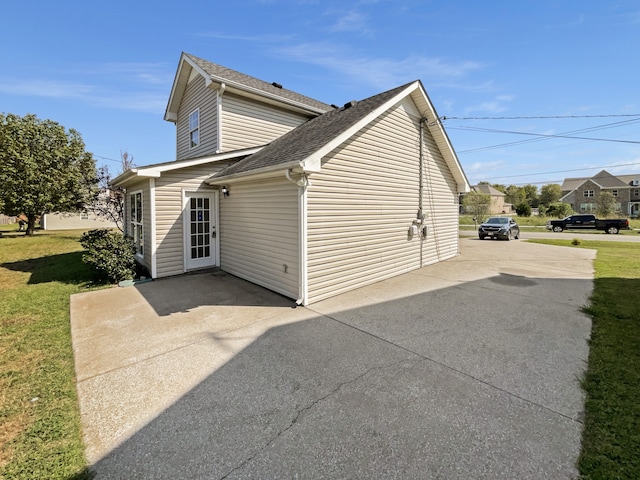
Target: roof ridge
[250, 82]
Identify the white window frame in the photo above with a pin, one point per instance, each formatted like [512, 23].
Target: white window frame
[588, 193]
[194, 130]
[136, 221]
[636, 192]
[614, 193]
[587, 207]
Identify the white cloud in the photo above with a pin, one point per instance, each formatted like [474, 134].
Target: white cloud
[117, 96]
[379, 72]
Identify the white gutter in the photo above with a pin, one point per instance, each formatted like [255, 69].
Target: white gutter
[152, 207]
[303, 284]
[219, 126]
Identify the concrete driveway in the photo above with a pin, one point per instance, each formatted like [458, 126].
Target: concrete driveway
[465, 369]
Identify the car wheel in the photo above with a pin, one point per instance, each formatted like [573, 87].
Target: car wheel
[557, 229]
[612, 230]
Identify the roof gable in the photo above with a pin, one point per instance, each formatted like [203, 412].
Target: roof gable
[488, 189]
[239, 83]
[304, 146]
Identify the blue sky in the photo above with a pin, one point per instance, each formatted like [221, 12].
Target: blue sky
[106, 70]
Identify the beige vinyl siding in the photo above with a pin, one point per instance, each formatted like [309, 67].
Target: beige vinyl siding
[362, 204]
[248, 123]
[197, 96]
[169, 226]
[259, 234]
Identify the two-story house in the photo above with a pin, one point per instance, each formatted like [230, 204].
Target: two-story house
[582, 193]
[307, 199]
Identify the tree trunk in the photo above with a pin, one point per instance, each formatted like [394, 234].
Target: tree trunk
[31, 224]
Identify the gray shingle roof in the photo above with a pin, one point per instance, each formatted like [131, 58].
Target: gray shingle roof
[312, 135]
[220, 73]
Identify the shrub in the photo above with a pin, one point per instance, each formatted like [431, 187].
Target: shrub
[559, 210]
[110, 252]
[523, 209]
[575, 241]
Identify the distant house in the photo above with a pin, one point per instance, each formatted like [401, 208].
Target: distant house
[307, 199]
[496, 205]
[71, 221]
[582, 193]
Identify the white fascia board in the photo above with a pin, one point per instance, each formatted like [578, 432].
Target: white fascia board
[178, 164]
[179, 85]
[257, 174]
[155, 171]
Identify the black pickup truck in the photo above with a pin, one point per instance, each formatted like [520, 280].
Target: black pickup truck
[588, 222]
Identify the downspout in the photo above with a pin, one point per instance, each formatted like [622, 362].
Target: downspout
[421, 193]
[221, 90]
[303, 285]
[152, 210]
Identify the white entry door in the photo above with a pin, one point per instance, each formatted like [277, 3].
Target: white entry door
[200, 222]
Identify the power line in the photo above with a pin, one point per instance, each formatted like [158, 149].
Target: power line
[540, 117]
[542, 135]
[565, 171]
[531, 140]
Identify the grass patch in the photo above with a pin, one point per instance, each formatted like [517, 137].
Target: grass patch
[611, 437]
[40, 433]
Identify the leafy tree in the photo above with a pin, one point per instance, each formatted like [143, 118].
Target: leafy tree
[559, 210]
[550, 193]
[606, 205]
[531, 195]
[43, 168]
[514, 195]
[523, 209]
[477, 204]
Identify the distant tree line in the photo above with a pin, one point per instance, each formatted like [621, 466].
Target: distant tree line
[524, 199]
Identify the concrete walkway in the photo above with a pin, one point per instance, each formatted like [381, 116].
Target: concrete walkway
[465, 369]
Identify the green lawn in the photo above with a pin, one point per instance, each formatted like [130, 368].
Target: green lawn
[40, 434]
[611, 438]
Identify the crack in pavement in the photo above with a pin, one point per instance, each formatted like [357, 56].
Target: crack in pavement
[301, 411]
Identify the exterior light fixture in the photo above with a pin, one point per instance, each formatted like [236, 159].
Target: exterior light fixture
[225, 191]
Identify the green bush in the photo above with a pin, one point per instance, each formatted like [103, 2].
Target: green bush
[559, 210]
[523, 209]
[110, 252]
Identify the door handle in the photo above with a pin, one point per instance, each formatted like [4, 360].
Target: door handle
[213, 232]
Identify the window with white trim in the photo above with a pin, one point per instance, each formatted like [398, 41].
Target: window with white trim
[588, 193]
[194, 129]
[136, 224]
[587, 207]
[614, 193]
[636, 193]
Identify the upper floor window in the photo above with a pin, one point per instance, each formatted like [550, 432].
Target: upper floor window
[614, 193]
[194, 129]
[588, 193]
[636, 193]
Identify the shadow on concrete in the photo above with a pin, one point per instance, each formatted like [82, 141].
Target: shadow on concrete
[479, 380]
[186, 292]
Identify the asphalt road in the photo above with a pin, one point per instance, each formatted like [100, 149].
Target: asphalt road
[591, 235]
